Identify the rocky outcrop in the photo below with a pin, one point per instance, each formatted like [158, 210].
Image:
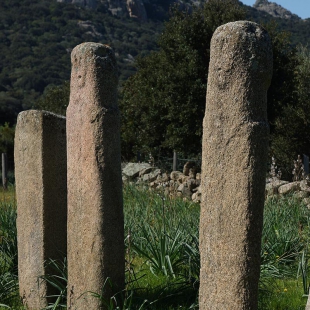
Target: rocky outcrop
[87, 3]
[274, 9]
[137, 10]
[186, 184]
[90, 28]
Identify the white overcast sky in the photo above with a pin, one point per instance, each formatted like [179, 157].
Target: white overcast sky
[298, 7]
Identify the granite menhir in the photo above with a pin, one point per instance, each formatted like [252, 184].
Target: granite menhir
[234, 161]
[41, 192]
[96, 260]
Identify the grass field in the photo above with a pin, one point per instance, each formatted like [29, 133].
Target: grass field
[162, 256]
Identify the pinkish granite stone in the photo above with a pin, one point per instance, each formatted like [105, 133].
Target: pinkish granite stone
[95, 205]
[234, 161]
[41, 192]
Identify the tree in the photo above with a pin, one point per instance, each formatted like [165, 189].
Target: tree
[55, 99]
[291, 136]
[163, 103]
[7, 140]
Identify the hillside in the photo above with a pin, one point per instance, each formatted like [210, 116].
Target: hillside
[37, 37]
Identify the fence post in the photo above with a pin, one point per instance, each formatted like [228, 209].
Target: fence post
[4, 171]
[306, 164]
[175, 161]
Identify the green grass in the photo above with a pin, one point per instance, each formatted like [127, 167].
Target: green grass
[7, 196]
[162, 254]
[8, 251]
[286, 294]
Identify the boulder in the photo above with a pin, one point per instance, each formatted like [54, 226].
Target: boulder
[189, 165]
[306, 201]
[288, 188]
[175, 175]
[192, 183]
[272, 187]
[132, 170]
[163, 177]
[304, 185]
[301, 194]
[196, 197]
[145, 171]
[150, 177]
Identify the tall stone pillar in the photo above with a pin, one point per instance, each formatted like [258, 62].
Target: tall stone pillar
[41, 193]
[95, 206]
[234, 164]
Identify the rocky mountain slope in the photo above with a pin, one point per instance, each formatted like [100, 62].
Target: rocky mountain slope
[138, 9]
[144, 9]
[274, 9]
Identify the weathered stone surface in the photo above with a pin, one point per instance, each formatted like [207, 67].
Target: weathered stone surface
[272, 187]
[188, 165]
[196, 197]
[181, 188]
[150, 177]
[163, 177]
[95, 207]
[192, 183]
[234, 159]
[301, 194]
[308, 303]
[136, 9]
[132, 169]
[288, 188]
[41, 192]
[145, 171]
[304, 185]
[175, 175]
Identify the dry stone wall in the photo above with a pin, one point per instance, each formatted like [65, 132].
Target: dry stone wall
[184, 184]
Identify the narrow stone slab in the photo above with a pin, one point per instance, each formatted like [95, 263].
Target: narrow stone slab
[41, 192]
[308, 303]
[234, 161]
[95, 206]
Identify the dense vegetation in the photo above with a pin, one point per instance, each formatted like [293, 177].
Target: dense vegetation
[163, 103]
[162, 256]
[37, 38]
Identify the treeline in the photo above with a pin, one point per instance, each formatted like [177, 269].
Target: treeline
[163, 104]
[37, 36]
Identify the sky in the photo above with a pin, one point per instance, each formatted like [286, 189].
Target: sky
[298, 7]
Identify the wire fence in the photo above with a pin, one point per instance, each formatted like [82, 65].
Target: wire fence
[169, 164]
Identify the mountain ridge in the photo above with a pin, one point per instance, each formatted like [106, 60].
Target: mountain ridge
[274, 9]
[138, 8]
